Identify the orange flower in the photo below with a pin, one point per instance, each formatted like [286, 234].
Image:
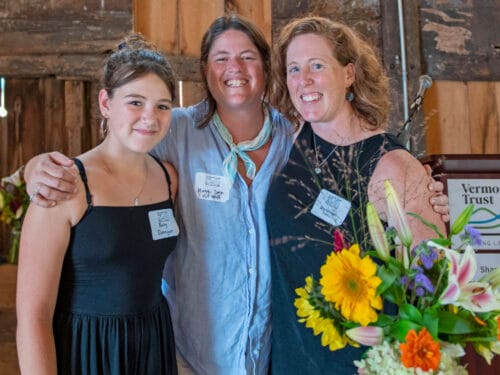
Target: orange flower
[420, 351]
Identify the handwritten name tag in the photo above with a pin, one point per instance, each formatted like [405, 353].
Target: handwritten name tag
[331, 208]
[163, 224]
[212, 187]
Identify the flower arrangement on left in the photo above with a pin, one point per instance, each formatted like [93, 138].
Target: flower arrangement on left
[14, 202]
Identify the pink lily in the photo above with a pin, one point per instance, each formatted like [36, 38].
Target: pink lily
[369, 336]
[461, 291]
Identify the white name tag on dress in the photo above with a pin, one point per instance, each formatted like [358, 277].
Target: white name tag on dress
[331, 208]
[211, 187]
[163, 224]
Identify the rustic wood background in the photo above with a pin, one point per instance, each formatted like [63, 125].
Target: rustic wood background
[51, 54]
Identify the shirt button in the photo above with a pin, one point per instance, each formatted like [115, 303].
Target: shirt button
[250, 270]
[251, 231]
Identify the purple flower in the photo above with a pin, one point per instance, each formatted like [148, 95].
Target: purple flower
[419, 282]
[404, 280]
[419, 291]
[427, 257]
[424, 281]
[471, 235]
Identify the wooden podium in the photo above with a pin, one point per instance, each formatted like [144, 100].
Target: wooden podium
[474, 179]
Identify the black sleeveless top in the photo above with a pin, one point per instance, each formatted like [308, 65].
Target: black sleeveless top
[111, 317]
[300, 241]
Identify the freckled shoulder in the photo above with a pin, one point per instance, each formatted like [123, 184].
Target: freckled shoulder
[406, 174]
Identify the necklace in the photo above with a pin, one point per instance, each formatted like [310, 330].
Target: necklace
[317, 168]
[123, 186]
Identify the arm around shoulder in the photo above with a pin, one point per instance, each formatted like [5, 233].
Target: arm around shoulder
[49, 179]
[410, 180]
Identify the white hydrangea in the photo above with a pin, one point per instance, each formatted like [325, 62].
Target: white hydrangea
[384, 359]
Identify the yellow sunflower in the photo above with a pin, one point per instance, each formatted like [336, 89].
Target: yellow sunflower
[350, 282]
[330, 336]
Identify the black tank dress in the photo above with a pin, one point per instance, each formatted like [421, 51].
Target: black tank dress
[111, 317]
[300, 241]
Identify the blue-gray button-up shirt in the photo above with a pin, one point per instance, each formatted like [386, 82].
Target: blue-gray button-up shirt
[219, 277]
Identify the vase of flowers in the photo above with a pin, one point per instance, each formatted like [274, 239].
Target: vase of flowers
[14, 201]
[415, 308]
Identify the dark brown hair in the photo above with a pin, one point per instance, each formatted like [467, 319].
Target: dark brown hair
[134, 58]
[217, 28]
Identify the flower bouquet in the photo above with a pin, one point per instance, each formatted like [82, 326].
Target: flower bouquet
[14, 202]
[415, 308]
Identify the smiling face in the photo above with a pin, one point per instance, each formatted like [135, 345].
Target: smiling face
[235, 71]
[138, 115]
[316, 81]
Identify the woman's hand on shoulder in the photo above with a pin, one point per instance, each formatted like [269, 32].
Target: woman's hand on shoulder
[49, 179]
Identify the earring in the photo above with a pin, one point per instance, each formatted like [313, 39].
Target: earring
[104, 127]
[349, 96]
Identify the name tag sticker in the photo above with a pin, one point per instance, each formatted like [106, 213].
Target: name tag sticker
[331, 208]
[211, 187]
[163, 224]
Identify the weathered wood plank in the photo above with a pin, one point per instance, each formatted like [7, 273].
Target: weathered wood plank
[54, 137]
[74, 119]
[157, 21]
[393, 63]
[194, 18]
[94, 114]
[44, 8]
[460, 39]
[448, 131]
[84, 67]
[257, 11]
[63, 34]
[484, 117]
[8, 353]
[192, 92]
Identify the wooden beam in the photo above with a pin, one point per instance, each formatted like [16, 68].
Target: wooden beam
[62, 35]
[460, 39]
[195, 16]
[74, 115]
[392, 58]
[84, 67]
[448, 130]
[158, 21]
[484, 117]
[257, 11]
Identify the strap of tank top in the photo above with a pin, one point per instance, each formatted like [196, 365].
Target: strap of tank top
[166, 175]
[83, 176]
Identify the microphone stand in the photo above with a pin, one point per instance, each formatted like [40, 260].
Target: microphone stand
[405, 130]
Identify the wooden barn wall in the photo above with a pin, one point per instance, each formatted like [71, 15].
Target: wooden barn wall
[177, 27]
[51, 54]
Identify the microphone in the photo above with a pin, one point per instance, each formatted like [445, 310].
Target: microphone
[424, 82]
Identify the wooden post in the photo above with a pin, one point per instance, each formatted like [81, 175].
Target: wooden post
[74, 119]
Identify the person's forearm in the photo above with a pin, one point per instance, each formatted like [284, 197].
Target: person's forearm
[36, 349]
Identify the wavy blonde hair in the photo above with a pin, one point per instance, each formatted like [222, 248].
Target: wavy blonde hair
[370, 87]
